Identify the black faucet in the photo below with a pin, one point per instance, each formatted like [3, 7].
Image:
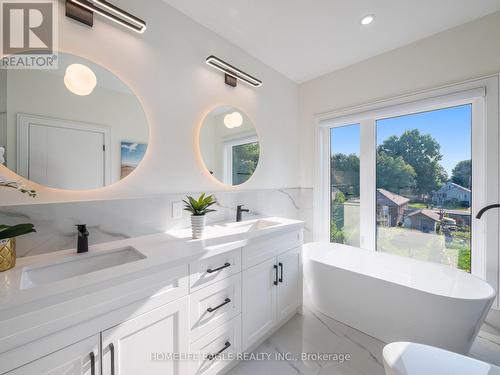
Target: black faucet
[82, 244]
[483, 210]
[239, 211]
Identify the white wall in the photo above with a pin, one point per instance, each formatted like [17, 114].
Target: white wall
[166, 69]
[468, 51]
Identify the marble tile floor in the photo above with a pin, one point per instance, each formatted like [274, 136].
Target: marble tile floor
[314, 333]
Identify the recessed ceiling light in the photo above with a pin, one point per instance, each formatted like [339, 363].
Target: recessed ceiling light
[366, 20]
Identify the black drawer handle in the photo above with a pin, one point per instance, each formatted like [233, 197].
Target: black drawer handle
[281, 272]
[212, 356]
[92, 363]
[112, 352]
[210, 270]
[275, 274]
[212, 309]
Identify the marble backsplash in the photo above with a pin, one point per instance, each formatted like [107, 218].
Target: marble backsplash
[124, 218]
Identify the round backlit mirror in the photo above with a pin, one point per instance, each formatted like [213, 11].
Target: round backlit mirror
[74, 127]
[229, 145]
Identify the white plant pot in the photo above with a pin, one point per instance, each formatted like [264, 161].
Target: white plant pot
[198, 226]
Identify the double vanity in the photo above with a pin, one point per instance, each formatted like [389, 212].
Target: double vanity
[157, 304]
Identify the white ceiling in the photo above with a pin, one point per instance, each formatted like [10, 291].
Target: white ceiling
[304, 39]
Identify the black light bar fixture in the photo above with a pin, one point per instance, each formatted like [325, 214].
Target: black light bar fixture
[83, 11]
[232, 74]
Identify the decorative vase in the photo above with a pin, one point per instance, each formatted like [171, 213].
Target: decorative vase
[7, 254]
[198, 225]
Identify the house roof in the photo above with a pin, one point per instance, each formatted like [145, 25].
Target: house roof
[398, 200]
[449, 185]
[433, 215]
[465, 212]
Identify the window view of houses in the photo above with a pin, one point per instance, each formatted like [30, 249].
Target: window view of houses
[423, 192]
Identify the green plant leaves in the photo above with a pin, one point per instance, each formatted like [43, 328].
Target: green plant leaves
[200, 206]
[10, 231]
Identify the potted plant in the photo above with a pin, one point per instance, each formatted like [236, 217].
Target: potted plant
[199, 208]
[8, 233]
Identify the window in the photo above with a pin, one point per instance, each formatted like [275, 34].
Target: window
[241, 157]
[424, 163]
[406, 176]
[344, 185]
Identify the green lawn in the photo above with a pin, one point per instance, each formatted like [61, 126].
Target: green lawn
[425, 246]
[417, 205]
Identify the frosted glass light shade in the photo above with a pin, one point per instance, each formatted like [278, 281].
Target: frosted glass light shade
[80, 79]
[233, 120]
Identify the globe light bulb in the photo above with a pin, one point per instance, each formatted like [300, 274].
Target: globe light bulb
[233, 120]
[80, 79]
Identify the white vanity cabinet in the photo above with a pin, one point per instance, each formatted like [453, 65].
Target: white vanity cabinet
[259, 301]
[271, 289]
[81, 358]
[214, 305]
[289, 291]
[139, 345]
[142, 344]
[215, 312]
[216, 350]
[191, 319]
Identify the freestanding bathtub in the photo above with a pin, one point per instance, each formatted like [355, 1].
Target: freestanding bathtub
[394, 298]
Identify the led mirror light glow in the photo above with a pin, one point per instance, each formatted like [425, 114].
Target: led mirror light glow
[368, 19]
[80, 79]
[233, 120]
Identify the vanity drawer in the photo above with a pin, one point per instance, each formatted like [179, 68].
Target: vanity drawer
[208, 271]
[214, 305]
[269, 247]
[225, 340]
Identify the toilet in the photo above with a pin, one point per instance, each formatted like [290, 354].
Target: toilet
[407, 358]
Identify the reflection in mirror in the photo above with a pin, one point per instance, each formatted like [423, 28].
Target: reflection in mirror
[229, 145]
[75, 127]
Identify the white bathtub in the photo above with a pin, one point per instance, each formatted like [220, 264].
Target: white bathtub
[394, 298]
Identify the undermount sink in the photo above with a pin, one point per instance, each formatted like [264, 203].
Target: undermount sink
[78, 265]
[251, 225]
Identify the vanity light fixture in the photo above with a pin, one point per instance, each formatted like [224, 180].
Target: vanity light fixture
[232, 74]
[80, 79]
[83, 11]
[233, 120]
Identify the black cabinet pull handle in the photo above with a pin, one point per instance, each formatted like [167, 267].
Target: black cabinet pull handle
[281, 272]
[210, 270]
[112, 353]
[92, 363]
[275, 274]
[212, 356]
[212, 309]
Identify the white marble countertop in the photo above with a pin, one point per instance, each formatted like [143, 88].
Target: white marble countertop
[162, 251]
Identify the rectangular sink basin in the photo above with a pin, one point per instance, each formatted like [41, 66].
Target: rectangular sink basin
[251, 225]
[77, 265]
